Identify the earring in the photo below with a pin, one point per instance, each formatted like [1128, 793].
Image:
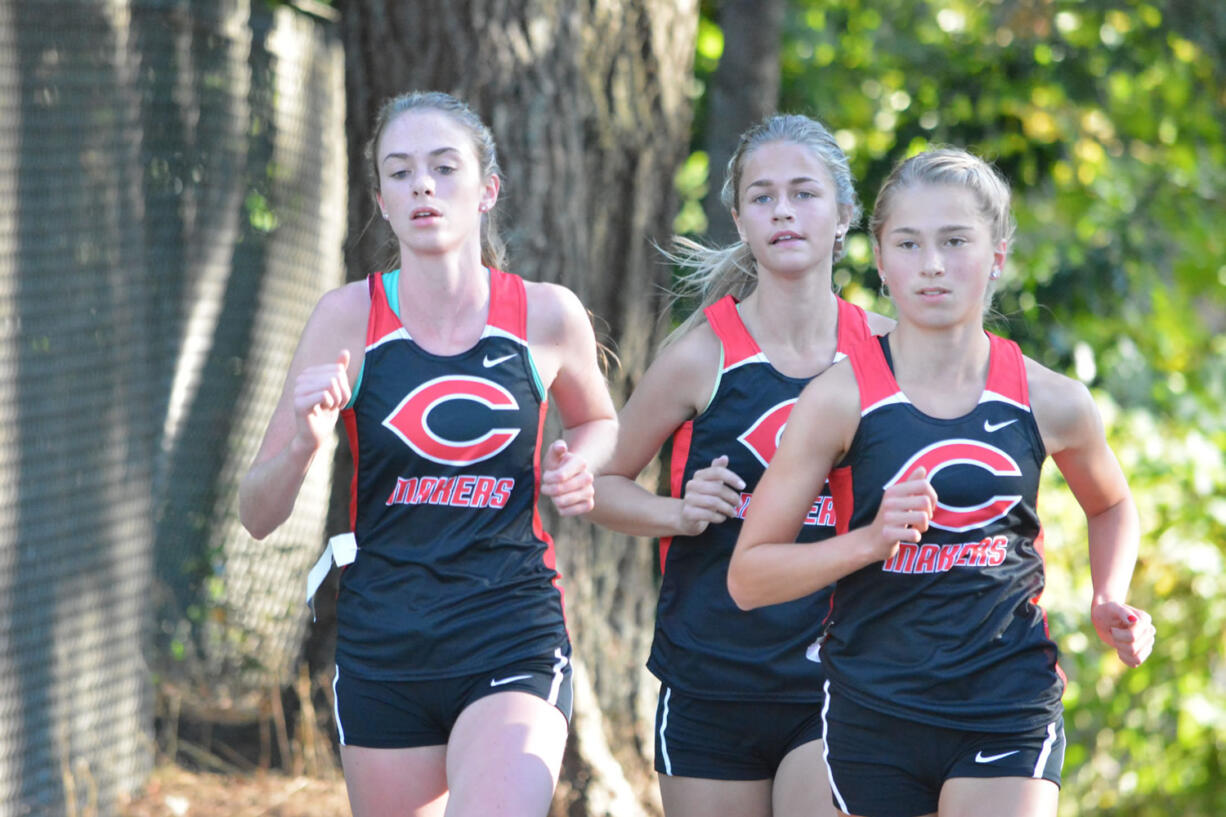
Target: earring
[885, 289]
[385, 215]
[481, 208]
[995, 273]
[838, 243]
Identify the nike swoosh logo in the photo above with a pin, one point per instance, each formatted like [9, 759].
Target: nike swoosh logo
[980, 757]
[990, 427]
[497, 682]
[487, 363]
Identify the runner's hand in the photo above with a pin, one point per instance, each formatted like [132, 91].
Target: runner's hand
[905, 512]
[1127, 630]
[566, 480]
[320, 392]
[711, 496]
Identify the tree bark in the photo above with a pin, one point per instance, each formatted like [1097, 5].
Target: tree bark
[590, 108]
[743, 89]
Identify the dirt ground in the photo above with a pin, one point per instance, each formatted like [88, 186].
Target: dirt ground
[173, 791]
[206, 767]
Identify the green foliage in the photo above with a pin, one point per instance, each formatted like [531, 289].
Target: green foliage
[1108, 123]
[691, 182]
[1152, 740]
[1106, 115]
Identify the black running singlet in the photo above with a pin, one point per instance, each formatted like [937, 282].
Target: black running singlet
[947, 632]
[454, 573]
[704, 644]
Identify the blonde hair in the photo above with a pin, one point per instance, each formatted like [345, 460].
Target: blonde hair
[710, 273]
[959, 168]
[493, 248]
[952, 166]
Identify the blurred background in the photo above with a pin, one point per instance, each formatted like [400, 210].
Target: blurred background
[181, 179]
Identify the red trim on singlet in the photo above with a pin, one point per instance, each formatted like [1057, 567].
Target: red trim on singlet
[382, 321]
[374, 287]
[508, 309]
[852, 326]
[739, 345]
[508, 304]
[351, 432]
[873, 376]
[842, 493]
[727, 325]
[682, 438]
[1006, 374]
[1007, 371]
[549, 558]
[1041, 549]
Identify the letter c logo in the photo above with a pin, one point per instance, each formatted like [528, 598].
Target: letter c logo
[965, 452]
[762, 438]
[410, 421]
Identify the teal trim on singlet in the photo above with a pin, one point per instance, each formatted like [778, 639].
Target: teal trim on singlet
[391, 291]
[393, 300]
[536, 376]
[357, 384]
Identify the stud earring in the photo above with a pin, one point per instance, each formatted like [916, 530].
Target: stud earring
[385, 215]
[995, 273]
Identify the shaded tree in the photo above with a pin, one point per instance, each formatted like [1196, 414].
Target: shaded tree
[743, 89]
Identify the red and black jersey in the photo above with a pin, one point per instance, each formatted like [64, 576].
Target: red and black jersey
[947, 632]
[704, 644]
[454, 573]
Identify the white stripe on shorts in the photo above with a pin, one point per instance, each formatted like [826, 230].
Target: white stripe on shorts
[826, 750]
[556, 686]
[1046, 752]
[336, 707]
[668, 764]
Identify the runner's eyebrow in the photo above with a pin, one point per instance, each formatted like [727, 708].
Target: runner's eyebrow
[949, 228]
[796, 180]
[435, 152]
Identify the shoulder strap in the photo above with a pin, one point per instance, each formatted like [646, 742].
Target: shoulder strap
[1006, 373]
[727, 325]
[853, 326]
[873, 376]
[508, 304]
[383, 321]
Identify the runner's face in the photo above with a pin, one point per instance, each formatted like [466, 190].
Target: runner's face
[430, 182]
[936, 253]
[787, 209]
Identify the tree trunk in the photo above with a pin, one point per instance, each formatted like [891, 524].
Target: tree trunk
[743, 89]
[589, 105]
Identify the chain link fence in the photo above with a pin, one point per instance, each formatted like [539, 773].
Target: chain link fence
[172, 204]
